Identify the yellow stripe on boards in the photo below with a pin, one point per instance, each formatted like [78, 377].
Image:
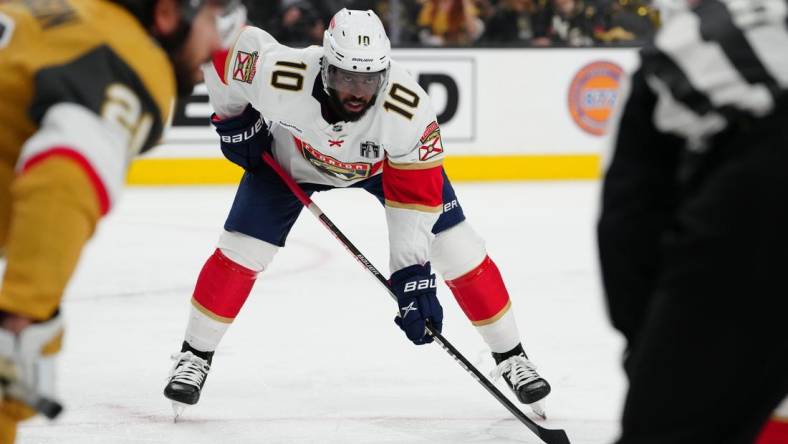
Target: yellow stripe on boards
[213, 171]
[523, 167]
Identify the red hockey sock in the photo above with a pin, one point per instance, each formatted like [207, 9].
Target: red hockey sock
[222, 287]
[481, 293]
[774, 432]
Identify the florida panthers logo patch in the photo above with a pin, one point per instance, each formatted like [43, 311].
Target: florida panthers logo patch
[334, 167]
[245, 66]
[431, 144]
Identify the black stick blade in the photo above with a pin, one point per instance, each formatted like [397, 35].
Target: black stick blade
[553, 436]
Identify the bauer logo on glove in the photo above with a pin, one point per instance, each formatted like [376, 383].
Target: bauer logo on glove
[244, 138]
[420, 285]
[415, 288]
[246, 134]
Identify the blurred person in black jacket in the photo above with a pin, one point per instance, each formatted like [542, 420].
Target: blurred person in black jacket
[565, 22]
[692, 238]
[511, 23]
[260, 13]
[298, 23]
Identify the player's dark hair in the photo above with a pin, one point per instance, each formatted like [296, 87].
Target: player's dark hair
[143, 9]
[172, 43]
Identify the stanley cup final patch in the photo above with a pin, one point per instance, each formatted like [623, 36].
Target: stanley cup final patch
[245, 66]
[431, 144]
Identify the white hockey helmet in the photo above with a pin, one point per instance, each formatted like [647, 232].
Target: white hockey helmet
[356, 42]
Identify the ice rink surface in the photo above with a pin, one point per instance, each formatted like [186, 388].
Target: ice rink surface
[314, 356]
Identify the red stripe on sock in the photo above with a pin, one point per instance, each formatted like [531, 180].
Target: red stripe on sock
[223, 286]
[774, 432]
[480, 292]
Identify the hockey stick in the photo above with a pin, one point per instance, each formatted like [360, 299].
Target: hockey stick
[12, 387]
[41, 404]
[547, 435]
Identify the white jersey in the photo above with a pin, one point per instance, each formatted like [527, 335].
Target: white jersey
[398, 134]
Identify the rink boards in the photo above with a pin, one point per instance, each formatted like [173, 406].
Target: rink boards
[505, 114]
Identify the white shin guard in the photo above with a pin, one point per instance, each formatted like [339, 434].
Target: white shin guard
[247, 251]
[457, 251]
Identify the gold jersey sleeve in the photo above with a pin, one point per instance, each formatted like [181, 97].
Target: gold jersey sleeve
[54, 51]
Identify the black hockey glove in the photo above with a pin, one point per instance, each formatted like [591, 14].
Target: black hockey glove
[244, 138]
[415, 289]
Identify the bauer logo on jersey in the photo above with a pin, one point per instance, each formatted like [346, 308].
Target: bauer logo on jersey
[593, 94]
[431, 144]
[334, 167]
[245, 66]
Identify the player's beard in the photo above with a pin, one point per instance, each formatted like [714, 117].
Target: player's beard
[184, 77]
[181, 65]
[339, 107]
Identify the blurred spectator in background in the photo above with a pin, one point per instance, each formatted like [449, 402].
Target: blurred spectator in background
[301, 22]
[486, 9]
[327, 8]
[298, 23]
[511, 23]
[404, 29]
[625, 20]
[449, 22]
[260, 13]
[465, 22]
[565, 22]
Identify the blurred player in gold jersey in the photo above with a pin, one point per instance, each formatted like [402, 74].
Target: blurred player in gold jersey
[86, 85]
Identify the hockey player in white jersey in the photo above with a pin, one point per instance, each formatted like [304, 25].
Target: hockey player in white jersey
[341, 115]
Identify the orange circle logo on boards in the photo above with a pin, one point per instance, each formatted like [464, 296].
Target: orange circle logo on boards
[593, 94]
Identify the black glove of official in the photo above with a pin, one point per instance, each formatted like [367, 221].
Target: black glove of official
[415, 289]
[244, 138]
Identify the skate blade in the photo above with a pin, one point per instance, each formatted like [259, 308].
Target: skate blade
[177, 409]
[538, 409]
